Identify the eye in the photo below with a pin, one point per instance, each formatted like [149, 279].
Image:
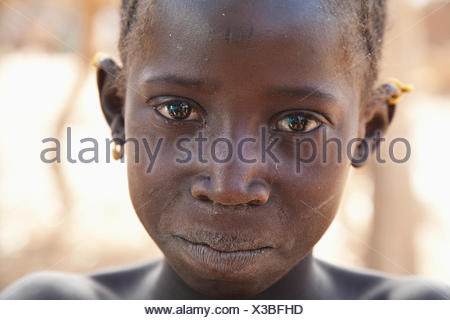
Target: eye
[298, 122]
[179, 111]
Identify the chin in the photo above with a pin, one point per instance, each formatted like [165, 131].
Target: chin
[225, 275]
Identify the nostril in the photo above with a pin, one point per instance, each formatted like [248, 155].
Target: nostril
[200, 189]
[255, 203]
[203, 198]
[259, 192]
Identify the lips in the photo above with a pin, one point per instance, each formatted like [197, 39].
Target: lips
[224, 241]
[226, 253]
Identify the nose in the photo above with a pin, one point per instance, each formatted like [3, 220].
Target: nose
[231, 186]
[233, 182]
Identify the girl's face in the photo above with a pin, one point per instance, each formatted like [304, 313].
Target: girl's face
[228, 69]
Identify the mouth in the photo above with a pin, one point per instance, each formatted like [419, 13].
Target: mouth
[222, 253]
[224, 248]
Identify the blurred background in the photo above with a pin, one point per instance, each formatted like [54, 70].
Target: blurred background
[78, 217]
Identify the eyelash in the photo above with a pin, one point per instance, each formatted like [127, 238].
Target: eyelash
[162, 107]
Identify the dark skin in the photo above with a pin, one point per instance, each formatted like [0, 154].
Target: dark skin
[237, 230]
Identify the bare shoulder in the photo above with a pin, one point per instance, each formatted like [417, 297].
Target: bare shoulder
[119, 283]
[54, 286]
[410, 288]
[352, 283]
[133, 282]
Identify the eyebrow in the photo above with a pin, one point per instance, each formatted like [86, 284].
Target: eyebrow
[305, 92]
[181, 81]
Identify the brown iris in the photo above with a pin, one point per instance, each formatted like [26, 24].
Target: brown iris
[297, 122]
[179, 110]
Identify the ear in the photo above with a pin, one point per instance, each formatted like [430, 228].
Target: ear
[111, 91]
[376, 118]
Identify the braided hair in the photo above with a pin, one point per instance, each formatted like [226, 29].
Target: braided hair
[128, 19]
[366, 24]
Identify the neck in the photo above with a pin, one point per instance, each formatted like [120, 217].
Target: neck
[299, 283]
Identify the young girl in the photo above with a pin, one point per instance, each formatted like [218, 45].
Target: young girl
[227, 103]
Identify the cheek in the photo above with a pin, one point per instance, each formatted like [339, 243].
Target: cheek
[309, 198]
[313, 202]
[151, 175]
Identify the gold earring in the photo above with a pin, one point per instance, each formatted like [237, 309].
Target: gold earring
[403, 88]
[117, 151]
[96, 59]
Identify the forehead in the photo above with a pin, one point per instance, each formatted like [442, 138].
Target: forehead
[266, 41]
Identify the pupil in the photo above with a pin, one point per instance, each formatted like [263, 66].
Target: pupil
[179, 111]
[297, 122]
